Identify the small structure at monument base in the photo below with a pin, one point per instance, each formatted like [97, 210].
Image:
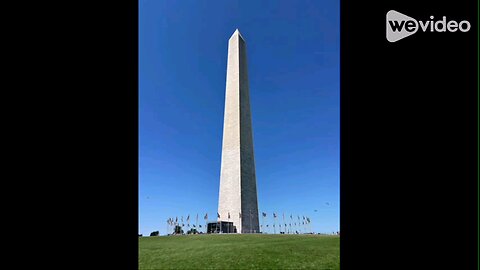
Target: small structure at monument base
[221, 227]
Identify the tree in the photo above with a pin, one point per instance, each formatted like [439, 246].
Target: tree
[155, 233]
[178, 230]
[192, 231]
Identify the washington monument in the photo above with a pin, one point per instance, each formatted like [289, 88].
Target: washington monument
[237, 201]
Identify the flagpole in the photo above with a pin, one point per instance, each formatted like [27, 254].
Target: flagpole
[309, 226]
[297, 228]
[299, 225]
[290, 224]
[284, 228]
[206, 225]
[263, 222]
[291, 220]
[274, 219]
[305, 224]
[265, 226]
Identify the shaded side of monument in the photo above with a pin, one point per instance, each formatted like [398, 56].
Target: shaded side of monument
[238, 185]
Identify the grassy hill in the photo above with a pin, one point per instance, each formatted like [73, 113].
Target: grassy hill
[241, 251]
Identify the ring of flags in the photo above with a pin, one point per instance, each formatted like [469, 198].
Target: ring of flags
[303, 220]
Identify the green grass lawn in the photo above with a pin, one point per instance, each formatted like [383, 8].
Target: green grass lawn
[240, 251]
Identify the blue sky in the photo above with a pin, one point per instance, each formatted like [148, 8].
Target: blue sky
[293, 57]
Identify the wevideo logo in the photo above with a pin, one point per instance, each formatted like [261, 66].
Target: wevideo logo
[400, 25]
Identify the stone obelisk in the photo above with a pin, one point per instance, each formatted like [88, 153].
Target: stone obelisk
[238, 184]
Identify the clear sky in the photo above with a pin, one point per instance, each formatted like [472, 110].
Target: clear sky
[293, 57]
